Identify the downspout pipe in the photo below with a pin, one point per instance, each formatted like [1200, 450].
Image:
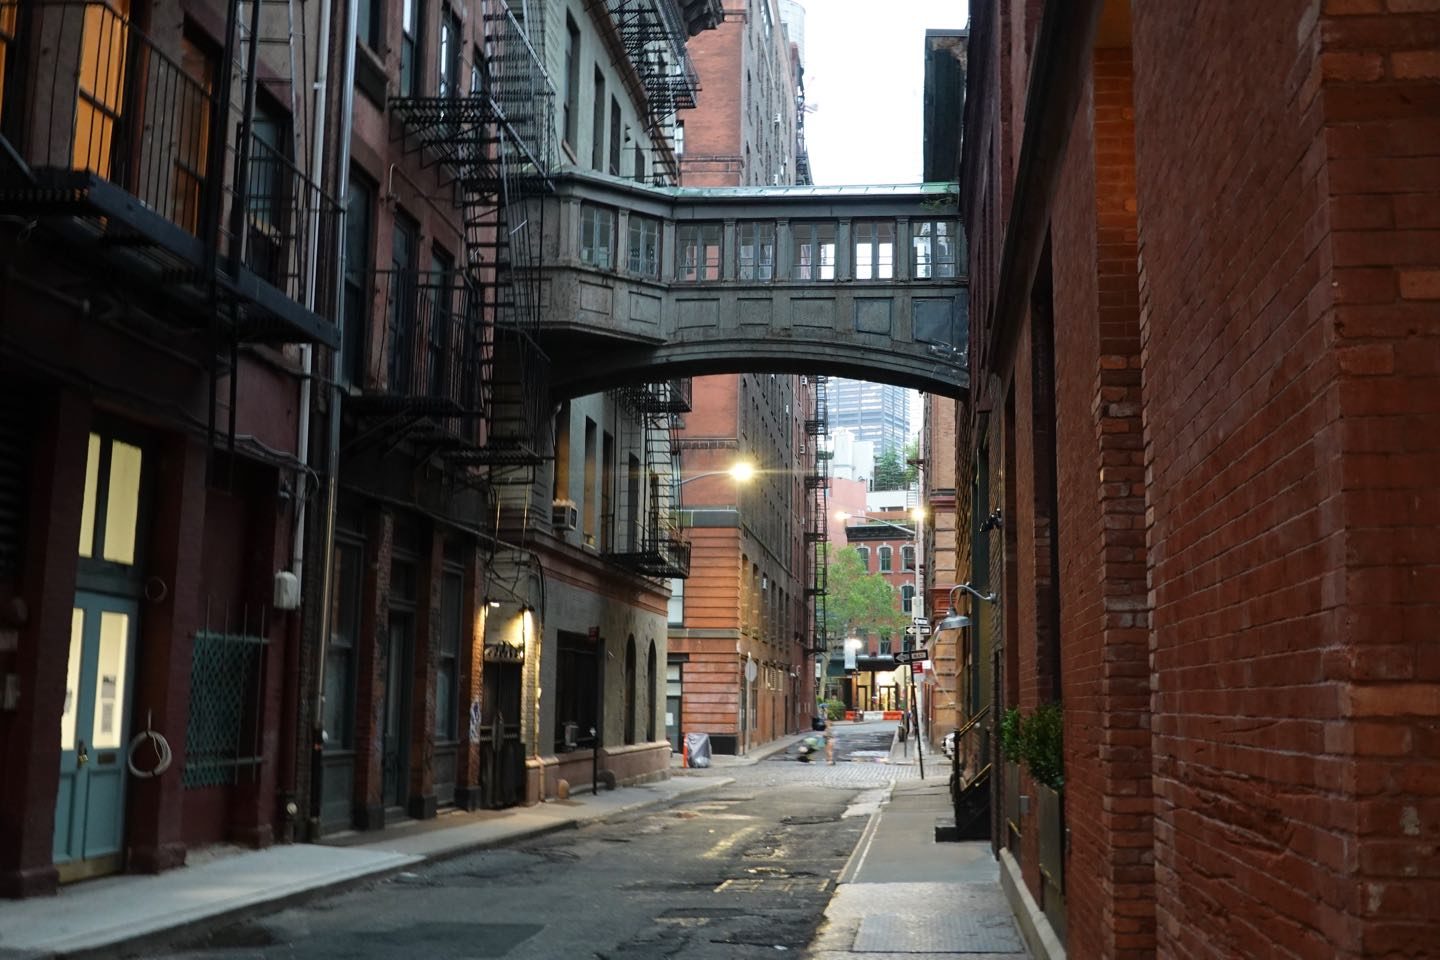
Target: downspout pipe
[332, 427]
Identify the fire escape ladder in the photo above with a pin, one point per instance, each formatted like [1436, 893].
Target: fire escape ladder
[817, 511]
[653, 33]
[492, 142]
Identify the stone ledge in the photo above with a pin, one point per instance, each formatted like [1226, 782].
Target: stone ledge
[1034, 927]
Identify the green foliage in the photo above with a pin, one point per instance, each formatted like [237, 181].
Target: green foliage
[1010, 735]
[890, 472]
[1041, 745]
[834, 709]
[856, 599]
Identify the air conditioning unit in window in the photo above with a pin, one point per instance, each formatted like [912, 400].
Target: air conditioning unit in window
[570, 733]
[564, 515]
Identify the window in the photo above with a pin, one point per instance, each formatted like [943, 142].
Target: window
[404, 251]
[597, 125]
[560, 489]
[874, 250]
[447, 660]
[644, 246]
[597, 236]
[587, 508]
[571, 112]
[935, 246]
[630, 690]
[907, 598]
[369, 22]
[676, 608]
[679, 138]
[360, 204]
[814, 251]
[8, 13]
[268, 206]
[449, 54]
[907, 558]
[755, 253]
[477, 70]
[639, 164]
[575, 704]
[192, 128]
[697, 257]
[409, 47]
[615, 137]
[651, 680]
[885, 559]
[864, 554]
[607, 492]
[438, 315]
[110, 513]
[340, 650]
[102, 83]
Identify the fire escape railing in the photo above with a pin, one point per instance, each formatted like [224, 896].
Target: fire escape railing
[493, 142]
[652, 542]
[119, 135]
[654, 33]
[428, 360]
[817, 511]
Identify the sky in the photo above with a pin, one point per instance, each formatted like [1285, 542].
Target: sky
[864, 73]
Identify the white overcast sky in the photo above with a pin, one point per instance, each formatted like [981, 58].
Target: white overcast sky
[864, 71]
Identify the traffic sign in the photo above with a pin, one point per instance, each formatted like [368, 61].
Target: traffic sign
[911, 656]
[921, 621]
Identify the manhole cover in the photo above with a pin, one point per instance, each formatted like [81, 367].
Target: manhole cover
[955, 933]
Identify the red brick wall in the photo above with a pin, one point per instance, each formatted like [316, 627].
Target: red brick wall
[1290, 404]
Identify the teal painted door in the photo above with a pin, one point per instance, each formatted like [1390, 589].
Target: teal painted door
[90, 806]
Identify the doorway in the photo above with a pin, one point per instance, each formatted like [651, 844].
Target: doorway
[502, 760]
[90, 805]
[674, 685]
[399, 640]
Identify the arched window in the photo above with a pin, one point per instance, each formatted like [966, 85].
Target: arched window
[864, 554]
[907, 597]
[630, 690]
[907, 558]
[652, 680]
[886, 561]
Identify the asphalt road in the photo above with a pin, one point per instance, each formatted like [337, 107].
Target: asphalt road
[742, 873]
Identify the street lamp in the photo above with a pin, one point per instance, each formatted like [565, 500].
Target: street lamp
[741, 471]
[917, 514]
[954, 620]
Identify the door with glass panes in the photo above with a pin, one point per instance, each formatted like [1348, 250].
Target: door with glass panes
[100, 668]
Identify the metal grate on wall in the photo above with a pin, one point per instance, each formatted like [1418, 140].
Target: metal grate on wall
[221, 738]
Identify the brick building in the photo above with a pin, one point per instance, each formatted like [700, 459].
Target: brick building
[749, 599]
[1203, 256]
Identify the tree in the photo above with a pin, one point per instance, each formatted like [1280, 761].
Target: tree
[856, 599]
[889, 472]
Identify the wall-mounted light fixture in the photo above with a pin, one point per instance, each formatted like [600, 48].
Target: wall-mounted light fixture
[993, 522]
[955, 620]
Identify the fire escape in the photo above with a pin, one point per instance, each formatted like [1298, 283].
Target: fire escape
[817, 512]
[653, 33]
[650, 540]
[126, 152]
[463, 369]
[802, 155]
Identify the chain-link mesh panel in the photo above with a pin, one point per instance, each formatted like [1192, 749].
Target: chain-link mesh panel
[224, 671]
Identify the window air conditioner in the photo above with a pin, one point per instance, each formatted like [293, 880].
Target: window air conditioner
[564, 515]
[571, 735]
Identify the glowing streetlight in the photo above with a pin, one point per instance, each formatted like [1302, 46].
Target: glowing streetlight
[741, 471]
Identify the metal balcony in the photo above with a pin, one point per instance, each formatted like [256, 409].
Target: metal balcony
[119, 159]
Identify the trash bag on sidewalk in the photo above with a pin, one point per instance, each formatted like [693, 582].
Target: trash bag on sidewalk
[697, 749]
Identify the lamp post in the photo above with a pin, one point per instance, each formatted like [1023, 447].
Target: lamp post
[742, 471]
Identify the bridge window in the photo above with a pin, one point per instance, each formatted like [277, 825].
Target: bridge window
[644, 245]
[886, 562]
[597, 236]
[874, 250]
[756, 251]
[864, 554]
[698, 255]
[814, 250]
[936, 245]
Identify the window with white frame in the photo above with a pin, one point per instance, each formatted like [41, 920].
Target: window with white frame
[886, 559]
[644, 245]
[597, 236]
[697, 254]
[755, 250]
[874, 248]
[935, 247]
[907, 598]
[907, 558]
[813, 246]
[864, 554]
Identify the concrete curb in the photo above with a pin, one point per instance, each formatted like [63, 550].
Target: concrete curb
[129, 944]
[1034, 926]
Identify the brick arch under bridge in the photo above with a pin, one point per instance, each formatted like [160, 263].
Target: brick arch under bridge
[650, 283]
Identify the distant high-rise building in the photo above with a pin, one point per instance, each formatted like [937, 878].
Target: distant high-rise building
[876, 412]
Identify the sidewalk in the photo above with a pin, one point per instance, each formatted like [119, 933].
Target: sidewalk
[104, 917]
[902, 893]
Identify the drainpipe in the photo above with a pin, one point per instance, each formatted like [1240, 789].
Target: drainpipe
[332, 442]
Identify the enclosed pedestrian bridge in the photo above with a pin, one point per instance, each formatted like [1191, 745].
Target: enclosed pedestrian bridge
[643, 283]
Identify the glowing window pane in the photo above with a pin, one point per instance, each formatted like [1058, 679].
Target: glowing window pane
[92, 486]
[110, 679]
[122, 507]
[72, 680]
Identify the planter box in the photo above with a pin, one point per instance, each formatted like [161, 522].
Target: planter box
[1010, 808]
[1050, 817]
